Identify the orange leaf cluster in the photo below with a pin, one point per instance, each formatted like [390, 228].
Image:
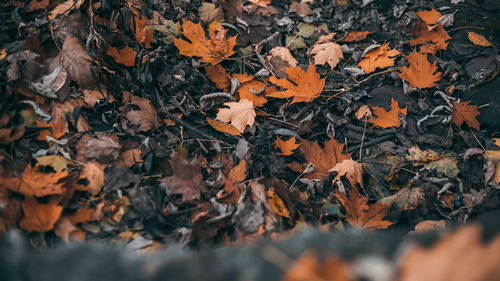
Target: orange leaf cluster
[465, 112]
[420, 73]
[360, 214]
[213, 50]
[303, 86]
[378, 57]
[428, 31]
[387, 119]
[323, 159]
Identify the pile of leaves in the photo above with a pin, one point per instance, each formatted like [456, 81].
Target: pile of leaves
[208, 123]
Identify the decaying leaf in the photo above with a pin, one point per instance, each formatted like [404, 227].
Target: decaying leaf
[478, 39]
[186, 180]
[308, 268]
[443, 163]
[77, 62]
[39, 217]
[428, 225]
[361, 215]
[429, 31]
[102, 148]
[407, 198]
[286, 147]
[494, 156]
[378, 57]
[420, 73]
[351, 169]
[323, 159]
[93, 174]
[32, 182]
[57, 162]
[304, 86]
[213, 50]
[387, 119]
[239, 114]
[300, 8]
[465, 112]
[138, 115]
[330, 53]
[125, 56]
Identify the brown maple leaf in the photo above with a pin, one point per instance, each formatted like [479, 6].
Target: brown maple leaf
[286, 147]
[93, 174]
[39, 217]
[465, 112]
[76, 61]
[237, 174]
[330, 53]
[421, 73]
[303, 86]
[361, 215]
[138, 115]
[387, 119]
[186, 178]
[351, 169]
[213, 50]
[323, 159]
[240, 114]
[378, 57]
[300, 8]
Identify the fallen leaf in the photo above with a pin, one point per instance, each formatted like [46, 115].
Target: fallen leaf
[308, 268]
[102, 148]
[284, 54]
[330, 53]
[138, 115]
[261, 3]
[232, 9]
[326, 38]
[446, 165]
[378, 57]
[254, 91]
[213, 50]
[125, 56]
[300, 8]
[208, 13]
[465, 112]
[57, 162]
[387, 119]
[461, 256]
[494, 156]
[92, 96]
[304, 86]
[186, 180]
[223, 127]
[93, 174]
[428, 225]
[364, 112]
[39, 217]
[35, 183]
[143, 34]
[323, 159]
[76, 61]
[356, 36]
[351, 169]
[65, 8]
[429, 17]
[429, 33]
[407, 198]
[478, 39]
[237, 174]
[277, 204]
[239, 114]
[361, 215]
[421, 73]
[286, 147]
[218, 75]
[3, 54]
[37, 5]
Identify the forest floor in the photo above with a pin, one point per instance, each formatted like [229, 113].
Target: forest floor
[150, 123]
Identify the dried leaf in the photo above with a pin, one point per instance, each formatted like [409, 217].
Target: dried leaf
[76, 61]
[57, 162]
[494, 156]
[308, 267]
[286, 147]
[421, 73]
[323, 159]
[37, 5]
[284, 54]
[330, 53]
[428, 225]
[35, 183]
[186, 179]
[213, 50]
[378, 57]
[465, 112]
[363, 112]
[93, 173]
[277, 204]
[218, 75]
[351, 169]
[261, 3]
[143, 34]
[223, 127]
[254, 91]
[429, 17]
[430, 34]
[65, 8]
[39, 217]
[125, 56]
[356, 36]
[478, 39]
[240, 114]
[300, 8]
[406, 198]
[305, 85]
[360, 214]
[138, 115]
[102, 148]
[236, 175]
[387, 119]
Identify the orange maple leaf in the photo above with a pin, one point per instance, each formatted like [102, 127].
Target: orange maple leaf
[421, 73]
[361, 215]
[427, 30]
[429, 17]
[356, 36]
[253, 90]
[240, 114]
[387, 119]
[378, 57]
[323, 159]
[465, 112]
[330, 53]
[286, 147]
[305, 85]
[35, 183]
[351, 169]
[39, 217]
[237, 174]
[213, 50]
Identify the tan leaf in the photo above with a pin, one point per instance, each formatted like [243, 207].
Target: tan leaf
[364, 112]
[239, 114]
[361, 215]
[465, 112]
[428, 225]
[286, 147]
[261, 3]
[213, 50]
[330, 53]
[284, 54]
[387, 119]
[39, 217]
[478, 39]
[351, 169]
[65, 8]
[57, 162]
[304, 86]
